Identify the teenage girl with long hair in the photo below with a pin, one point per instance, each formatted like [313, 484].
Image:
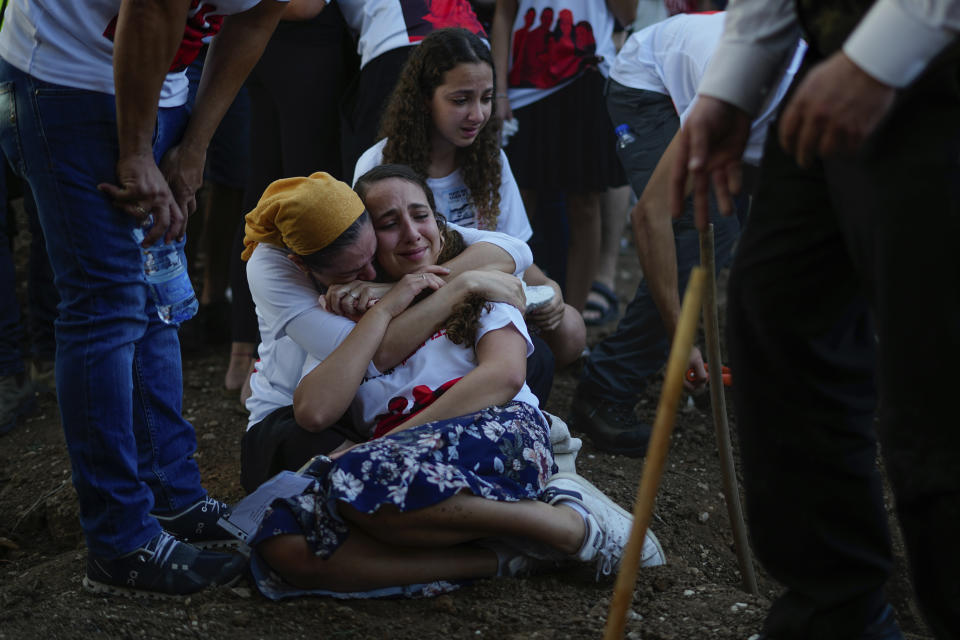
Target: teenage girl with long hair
[441, 122]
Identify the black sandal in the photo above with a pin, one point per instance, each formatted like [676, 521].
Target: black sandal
[608, 312]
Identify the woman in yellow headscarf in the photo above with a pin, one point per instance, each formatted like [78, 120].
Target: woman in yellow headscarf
[306, 235]
[461, 483]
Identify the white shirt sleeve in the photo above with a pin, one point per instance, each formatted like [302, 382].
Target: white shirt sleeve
[372, 157]
[758, 36]
[921, 30]
[518, 249]
[512, 219]
[286, 304]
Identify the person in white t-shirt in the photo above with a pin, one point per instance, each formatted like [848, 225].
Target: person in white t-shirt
[462, 461]
[104, 140]
[455, 144]
[288, 268]
[653, 84]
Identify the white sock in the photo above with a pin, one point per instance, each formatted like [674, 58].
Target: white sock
[576, 506]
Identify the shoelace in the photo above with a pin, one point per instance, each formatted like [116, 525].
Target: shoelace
[164, 546]
[608, 557]
[213, 505]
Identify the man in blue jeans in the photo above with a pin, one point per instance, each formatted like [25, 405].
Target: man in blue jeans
[91, 95]
[652, 85]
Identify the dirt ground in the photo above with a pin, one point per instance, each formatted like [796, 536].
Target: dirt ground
[698, 594]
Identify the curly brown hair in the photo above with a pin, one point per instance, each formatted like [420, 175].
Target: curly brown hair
[407, 123]
[461, 325]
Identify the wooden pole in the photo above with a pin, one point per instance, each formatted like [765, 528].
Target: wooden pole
[656, 454]
[731, 489]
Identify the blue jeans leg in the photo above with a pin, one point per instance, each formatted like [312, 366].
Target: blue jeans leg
[119, 380]
[42, 297]
[619, 366]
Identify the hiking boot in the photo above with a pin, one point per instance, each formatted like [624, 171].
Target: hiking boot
[162, 567]
[16, 399]
[608, 525]
[611, 426]
[199, 525]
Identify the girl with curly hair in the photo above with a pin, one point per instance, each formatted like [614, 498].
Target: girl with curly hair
[441, 122]
[461, 484]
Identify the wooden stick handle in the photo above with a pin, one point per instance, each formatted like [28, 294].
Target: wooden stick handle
[656, 454]
[728, 473]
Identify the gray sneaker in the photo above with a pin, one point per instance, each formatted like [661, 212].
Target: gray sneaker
[16, 399]
[163, 567]
[608, 525]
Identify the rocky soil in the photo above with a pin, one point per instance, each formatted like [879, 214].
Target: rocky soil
[698, 594]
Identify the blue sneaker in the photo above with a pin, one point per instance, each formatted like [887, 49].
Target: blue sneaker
[198, 525]
[163, 567]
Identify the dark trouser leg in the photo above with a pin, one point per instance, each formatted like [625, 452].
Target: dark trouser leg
[801, 346]
[906, 200]
[540, 366]
[277, 443]
[820, 245]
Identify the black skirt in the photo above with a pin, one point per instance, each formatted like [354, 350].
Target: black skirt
[566, 140]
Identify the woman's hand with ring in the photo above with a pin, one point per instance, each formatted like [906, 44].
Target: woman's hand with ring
[354, 298]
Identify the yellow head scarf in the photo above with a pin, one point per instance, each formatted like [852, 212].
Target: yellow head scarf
[302, 214]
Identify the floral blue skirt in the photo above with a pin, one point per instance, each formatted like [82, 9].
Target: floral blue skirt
[500, 453]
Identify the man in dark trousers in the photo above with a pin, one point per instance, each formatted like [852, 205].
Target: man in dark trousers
[844, 300]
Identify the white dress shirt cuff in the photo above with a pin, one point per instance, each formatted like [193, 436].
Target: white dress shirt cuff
[893, 45]
[742, 74]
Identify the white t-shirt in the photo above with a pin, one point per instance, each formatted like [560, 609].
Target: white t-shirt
[670, 58]
[551, 42]
[453, 197]
[384, 25]
[387, 399]
[70, 43]
[292, 324]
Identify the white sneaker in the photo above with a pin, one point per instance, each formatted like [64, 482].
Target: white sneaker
[608, 525]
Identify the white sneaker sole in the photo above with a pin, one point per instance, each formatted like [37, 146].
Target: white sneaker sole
[647, 559]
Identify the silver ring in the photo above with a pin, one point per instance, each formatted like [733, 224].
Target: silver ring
[142, 211]
[422, 276]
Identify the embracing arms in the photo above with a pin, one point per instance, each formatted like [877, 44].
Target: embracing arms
[499, 375]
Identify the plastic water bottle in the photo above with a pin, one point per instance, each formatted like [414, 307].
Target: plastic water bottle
[165, 268]
[624, 137]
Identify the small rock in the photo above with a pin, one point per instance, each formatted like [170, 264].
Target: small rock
[444, 604]
[633, 615]
[688, 592]
[703, 517]
[241, 592]
[209, 436]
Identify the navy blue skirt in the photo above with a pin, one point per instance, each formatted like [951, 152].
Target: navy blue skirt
[500, 453]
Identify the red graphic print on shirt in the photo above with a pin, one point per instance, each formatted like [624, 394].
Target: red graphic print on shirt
[202, 24]
[548, 54]
[423, 397]
[423, 17]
